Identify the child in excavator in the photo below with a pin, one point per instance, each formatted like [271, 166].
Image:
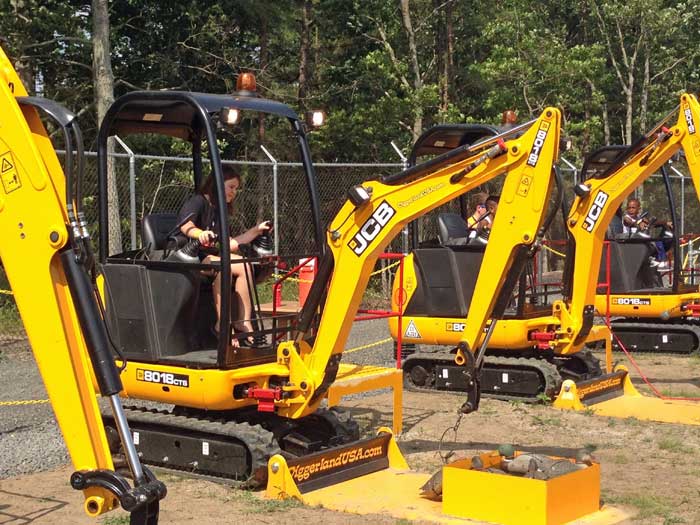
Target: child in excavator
[201, 227]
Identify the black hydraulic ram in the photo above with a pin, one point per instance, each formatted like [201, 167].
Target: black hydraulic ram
[142, 499]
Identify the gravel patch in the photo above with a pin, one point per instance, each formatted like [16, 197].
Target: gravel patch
[30, 440]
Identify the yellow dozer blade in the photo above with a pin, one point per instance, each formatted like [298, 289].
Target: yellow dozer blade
[372, 477]
[614, 395]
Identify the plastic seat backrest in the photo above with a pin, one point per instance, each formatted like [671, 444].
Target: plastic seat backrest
[451, 226]
[155, 230]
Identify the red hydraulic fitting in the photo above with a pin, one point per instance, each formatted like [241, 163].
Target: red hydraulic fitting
[542, 339]
[693, 309]
[266, 397]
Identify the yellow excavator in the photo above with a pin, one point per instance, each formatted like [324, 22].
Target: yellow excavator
[652, 309]
[126, 324]
[534, 348]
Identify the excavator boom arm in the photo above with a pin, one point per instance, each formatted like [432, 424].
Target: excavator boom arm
[55, 300]
[361, 231]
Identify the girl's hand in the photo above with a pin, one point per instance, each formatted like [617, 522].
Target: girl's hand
[264, 227]
[206, 237]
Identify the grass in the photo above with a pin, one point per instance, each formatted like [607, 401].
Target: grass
[255, 505]
[544, 399]
[674, 444]
[669, 392]
[547, 421]
[649, 506]
[518, 406]
[121, 519]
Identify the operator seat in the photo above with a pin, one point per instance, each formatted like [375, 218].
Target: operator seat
[452, 230]
[156, 229]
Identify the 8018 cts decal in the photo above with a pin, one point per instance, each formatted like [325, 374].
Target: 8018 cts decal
[162, 378]
[371, 228]
[541, 136]
[689, 118]
[631, 301]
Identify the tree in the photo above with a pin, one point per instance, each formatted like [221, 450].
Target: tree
[104, 97]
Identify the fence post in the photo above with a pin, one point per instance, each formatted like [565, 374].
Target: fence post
[274, 196]
[682, 225]
[404, 165]
[132, 189]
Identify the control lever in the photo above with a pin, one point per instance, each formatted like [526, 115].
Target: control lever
[189, 253]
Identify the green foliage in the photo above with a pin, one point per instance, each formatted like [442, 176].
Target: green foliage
[515, 54]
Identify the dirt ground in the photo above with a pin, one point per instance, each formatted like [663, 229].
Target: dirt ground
[650, 469]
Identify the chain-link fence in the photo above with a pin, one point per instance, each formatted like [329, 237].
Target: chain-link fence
[153, 184]
[278, 191]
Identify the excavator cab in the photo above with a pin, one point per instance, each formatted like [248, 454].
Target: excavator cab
[650, 302]
[160, 305]
[445, 262]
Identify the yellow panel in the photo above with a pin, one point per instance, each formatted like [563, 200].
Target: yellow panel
[650, 409]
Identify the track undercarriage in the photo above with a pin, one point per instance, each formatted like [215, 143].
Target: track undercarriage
[528, 377]
[678, 336]
[230, 447]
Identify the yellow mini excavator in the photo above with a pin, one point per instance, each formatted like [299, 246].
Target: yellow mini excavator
[534, 348]
[651, 308]
[234, 405]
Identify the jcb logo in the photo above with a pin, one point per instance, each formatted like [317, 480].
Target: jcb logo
[595, 211]
[537, 146]
[371, 228]
[163, 378]
[689, 120]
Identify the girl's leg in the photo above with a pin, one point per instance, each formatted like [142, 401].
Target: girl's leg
[244, 311]
[216, 291]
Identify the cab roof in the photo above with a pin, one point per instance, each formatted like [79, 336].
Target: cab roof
[179, 113]
[445, 137]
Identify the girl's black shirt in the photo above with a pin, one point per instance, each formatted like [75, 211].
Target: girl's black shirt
[204, 215]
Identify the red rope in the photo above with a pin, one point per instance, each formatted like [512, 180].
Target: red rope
[642, 375]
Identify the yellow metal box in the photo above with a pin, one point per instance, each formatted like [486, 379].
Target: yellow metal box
[513, 500]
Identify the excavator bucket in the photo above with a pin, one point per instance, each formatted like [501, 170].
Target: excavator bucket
[614, 395]
[372, 477]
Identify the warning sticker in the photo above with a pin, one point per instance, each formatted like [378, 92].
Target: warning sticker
[524, 185]
[8, 173]
[412, 331]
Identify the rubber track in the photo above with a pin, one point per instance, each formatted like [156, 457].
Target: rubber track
[260, 443]
[624, 326]
[548, 371]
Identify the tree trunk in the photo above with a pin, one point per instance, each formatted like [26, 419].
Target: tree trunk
[450, 40]
[629, 92]
[104, 96]
[304, 53]
[264, 55]
[645, 95]
[441, 54]
[415, 69]
[25, 71]
[606, 124]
